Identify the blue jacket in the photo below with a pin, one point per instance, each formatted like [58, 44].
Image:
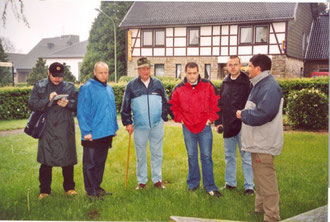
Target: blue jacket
[96, 110]
[149, 105]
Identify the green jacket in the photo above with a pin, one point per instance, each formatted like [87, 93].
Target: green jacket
[57, 145]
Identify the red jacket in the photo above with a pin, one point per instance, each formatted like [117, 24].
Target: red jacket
[194, 105]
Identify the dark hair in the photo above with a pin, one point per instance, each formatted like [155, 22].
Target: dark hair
[263, 61]
[235, 57]
[191, 65]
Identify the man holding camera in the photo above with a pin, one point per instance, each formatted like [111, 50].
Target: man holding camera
[234, 92]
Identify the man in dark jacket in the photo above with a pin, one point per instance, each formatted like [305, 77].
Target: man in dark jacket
[234, 91]
[57, 145]
[194, 104]
[145, 97]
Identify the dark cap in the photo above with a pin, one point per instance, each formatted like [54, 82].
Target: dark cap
[56, 69]
[142, 62]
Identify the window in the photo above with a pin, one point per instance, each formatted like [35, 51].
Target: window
[193, 36]
[178, 71]
[257, 34]
[261, 34]
[152, 38]
[207, 72]
[159, 37]
[147, 37]
[159, 70]
[245, 35]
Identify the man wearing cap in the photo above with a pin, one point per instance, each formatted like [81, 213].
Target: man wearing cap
[57, 145]
[146, 99]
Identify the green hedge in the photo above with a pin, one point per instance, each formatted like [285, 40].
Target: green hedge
[13, 100]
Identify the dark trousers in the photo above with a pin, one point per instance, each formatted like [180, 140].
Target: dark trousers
[45, 178]
[93, 168]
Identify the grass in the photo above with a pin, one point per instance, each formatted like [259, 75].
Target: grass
[301, 169]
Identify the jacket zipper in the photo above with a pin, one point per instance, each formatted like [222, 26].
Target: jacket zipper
[148, 107]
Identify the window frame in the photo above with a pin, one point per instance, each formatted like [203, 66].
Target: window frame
[240, 32]
[255, 35]
[159, 64]
[188, 39]
[164, 37]
[142, 37]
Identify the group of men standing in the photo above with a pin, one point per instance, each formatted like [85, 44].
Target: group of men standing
[248, 110]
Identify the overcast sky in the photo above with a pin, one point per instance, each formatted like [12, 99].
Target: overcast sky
[48, 18]
[52, 18]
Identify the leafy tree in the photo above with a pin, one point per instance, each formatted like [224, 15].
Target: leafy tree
[101, 43]
[5, 73]
[68, 76]
[40, 71]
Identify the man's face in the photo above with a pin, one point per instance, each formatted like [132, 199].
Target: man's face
[253, 70]
[55, 80]
[234, 67]
[144, 73]
[192, 75]
[102, 73]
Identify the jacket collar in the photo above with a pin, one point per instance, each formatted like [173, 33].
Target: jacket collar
[188, 84]
[260, 77]
[241, 78]
[96, 82]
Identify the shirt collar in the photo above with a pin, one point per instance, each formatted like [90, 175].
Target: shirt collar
[259, 77]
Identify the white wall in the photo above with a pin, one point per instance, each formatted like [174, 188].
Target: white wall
[73, 63]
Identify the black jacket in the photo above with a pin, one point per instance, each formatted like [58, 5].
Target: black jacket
[57, 144]
[233, 96]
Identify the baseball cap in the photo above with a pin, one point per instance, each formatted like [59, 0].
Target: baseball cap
[56, 69]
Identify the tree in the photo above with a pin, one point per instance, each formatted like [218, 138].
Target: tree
[7, 44]
[101, 44]
[17, 10]
[38, 72]
[68, 76]
[5, 73]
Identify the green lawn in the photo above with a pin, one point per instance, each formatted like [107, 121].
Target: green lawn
[301, 169]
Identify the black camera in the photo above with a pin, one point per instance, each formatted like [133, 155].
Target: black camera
[220, 129]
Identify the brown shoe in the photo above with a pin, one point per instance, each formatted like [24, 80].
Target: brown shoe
[159, 185]
[42, 196]
[71, 192]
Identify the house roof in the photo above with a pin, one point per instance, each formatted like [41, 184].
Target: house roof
[15, 58]
[46, 47]
[142, 14]
[318, 47]
[77, 50]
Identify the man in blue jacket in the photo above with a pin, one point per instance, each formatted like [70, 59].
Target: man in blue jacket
[98, 125]
[145, 97]
[262, 134]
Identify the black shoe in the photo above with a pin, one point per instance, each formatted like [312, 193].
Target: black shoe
[229, 187]
[193, 189]
[249, 192]
[214, 193]
[101, 192]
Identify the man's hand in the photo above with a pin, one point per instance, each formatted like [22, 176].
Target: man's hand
[88, 137]
[130, 129]
[238, 114]
[62, 102]
[51, 96]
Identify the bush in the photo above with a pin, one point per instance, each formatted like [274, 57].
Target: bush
[308, 109]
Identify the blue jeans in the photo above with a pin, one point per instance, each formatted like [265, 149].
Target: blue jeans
[155, 136]
[204, 139]
[230, 145]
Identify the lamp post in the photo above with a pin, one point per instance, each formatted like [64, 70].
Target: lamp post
[115, 39]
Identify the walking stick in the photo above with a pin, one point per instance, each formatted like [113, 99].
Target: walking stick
[129, 145]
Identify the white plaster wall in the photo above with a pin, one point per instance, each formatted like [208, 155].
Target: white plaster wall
[146, 52]
[206, 30]
[278, 26]
[192, 51]
[180, 31]
[262, 49]
[244, 50]
[180, 42]
[205, 41]
[159, 51]
[206, 51]
[73, 63]
[169, 31]
[216, 30]
[179, 52]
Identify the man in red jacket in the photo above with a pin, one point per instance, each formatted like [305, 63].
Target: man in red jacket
[194, 103]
